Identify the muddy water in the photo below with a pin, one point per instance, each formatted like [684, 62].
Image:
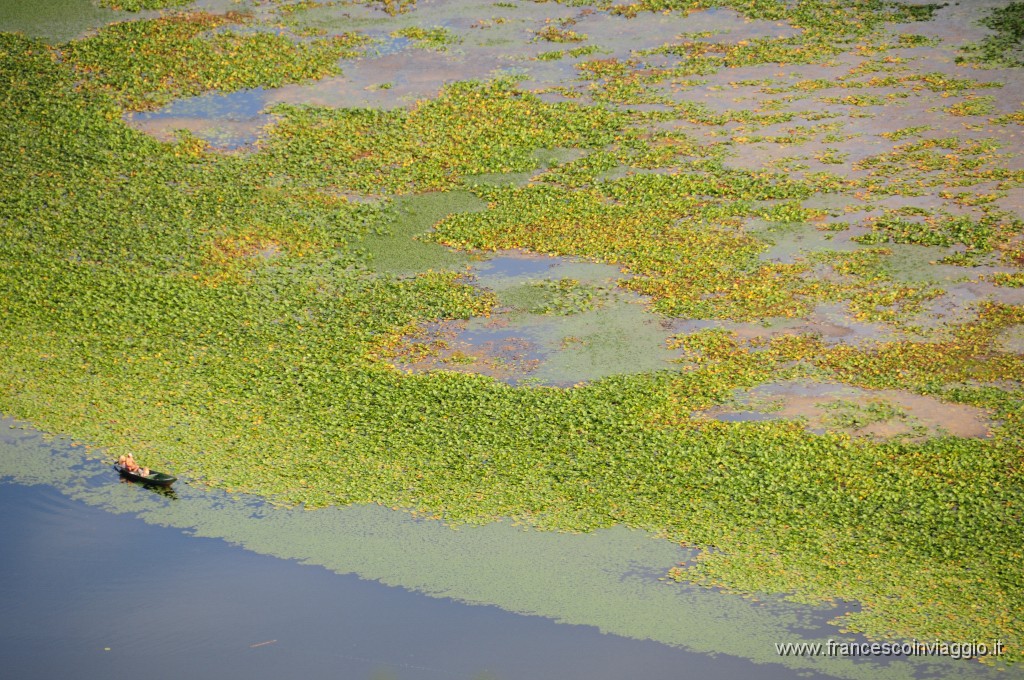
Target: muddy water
[491, 39]
[207, 584]
[542, 334]
[881, 414]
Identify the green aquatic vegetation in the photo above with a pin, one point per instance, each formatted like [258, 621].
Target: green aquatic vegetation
[942, 573]
[887, 64]
[605, 68]
[965, 358]
[813, 85]
[553, 55]
[438, 38]
[555, 296]
[833, 17]
[225, 317]
[584, 50]
[854, 415]
[582, 171]
[973, 105]
[391, 7]
[144, 64]
[695, 112]
[551, 33]
[395, 244]
[292, 7]
[470, 129]
[914, 40]
[942, 82]
[796, 135]
[1005, 48]
[790, 212]
[831, 156]
[680, 234]
[828, 28]
[869, 289]
[1015, 117]
[994, 227]
[1009, 280]
[904, 133]
[948, 162]
[632, 150]
[620, 86]
[789, 164]
[139, 5]
[702, 57]
[864, 99]
[489, 23]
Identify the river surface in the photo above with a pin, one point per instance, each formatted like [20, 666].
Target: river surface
[98, 576]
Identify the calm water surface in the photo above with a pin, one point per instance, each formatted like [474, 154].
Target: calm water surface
[94, 595]
[97, 575]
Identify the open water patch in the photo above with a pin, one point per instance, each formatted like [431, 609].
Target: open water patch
[1011, 339]
[226, 121]
[560, 322]
[831, 322]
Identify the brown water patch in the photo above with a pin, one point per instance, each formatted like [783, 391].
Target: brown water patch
[961, 302]
[832, 322]
[1011, 339]
[954, 23]
[791, 242]
[445, 346]
[836, 407]
[220, 134]
[648, 30]
[388, 81]
[560, 322]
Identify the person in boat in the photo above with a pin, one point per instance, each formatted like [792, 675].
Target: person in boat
[127, 461]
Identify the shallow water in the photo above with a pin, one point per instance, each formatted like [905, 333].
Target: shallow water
[530, 340]
[54, 20]
[822, 406]
[226, 121]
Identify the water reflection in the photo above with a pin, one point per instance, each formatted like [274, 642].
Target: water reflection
[165, 491]
[227, 121]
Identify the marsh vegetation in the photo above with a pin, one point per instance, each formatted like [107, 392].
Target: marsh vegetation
[822, 192]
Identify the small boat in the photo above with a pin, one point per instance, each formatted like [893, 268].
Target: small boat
[154, 478]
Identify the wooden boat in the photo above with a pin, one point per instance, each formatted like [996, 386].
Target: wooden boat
[154, 478]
